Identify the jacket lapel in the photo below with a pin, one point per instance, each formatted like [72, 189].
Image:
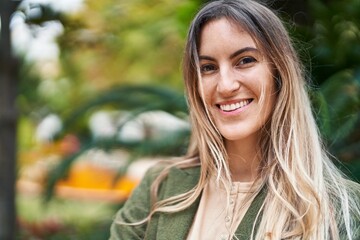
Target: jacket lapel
[177, 225]
[245, 227]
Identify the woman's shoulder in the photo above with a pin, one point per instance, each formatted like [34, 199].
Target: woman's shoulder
[171, 169]
[172, 178]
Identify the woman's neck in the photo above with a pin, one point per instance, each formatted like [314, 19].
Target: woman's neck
[244, 159]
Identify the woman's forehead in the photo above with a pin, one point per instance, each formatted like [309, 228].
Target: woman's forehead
[225, 32]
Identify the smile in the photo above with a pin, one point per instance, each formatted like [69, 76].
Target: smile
[234, 106]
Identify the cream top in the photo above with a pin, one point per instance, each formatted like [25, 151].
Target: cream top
[213, 220]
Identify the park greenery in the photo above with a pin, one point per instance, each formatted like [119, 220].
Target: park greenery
[126, 56]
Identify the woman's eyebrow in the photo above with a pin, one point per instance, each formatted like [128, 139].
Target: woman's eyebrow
[233, 55]
[242, 50]
[203, 57]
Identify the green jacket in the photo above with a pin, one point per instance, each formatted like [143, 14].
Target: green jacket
[169, 226]
[175, 225]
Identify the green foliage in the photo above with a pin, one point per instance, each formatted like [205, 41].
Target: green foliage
[106, 44]
[127, 42]
[137, 99]
[338, 103]
[63, 219]
[334, 46]
[335, 37]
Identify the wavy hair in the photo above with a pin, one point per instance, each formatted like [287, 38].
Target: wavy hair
[307, 193]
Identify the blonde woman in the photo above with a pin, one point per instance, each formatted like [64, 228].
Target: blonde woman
[256, 167]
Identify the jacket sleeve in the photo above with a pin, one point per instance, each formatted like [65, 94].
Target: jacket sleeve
[136, 208]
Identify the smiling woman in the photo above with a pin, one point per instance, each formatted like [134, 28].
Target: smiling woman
[256, 167]
[237, 86]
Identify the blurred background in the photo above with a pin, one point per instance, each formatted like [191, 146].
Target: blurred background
[91, 95]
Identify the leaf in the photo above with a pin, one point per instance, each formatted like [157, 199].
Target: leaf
[136, 99]
[341, 93]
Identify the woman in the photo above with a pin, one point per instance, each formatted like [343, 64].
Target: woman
[256, 167]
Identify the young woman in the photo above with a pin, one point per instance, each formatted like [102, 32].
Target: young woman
[256, 167]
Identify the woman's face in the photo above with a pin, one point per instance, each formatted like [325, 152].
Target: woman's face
[237, 81]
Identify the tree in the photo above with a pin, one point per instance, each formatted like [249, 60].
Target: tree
[8, 117]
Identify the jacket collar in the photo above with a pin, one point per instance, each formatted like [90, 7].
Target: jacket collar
[177, 225]
[254, 213]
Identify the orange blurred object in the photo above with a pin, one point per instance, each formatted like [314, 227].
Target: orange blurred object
[95, 182]
[87, 179]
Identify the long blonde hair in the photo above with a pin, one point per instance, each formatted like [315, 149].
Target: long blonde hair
[305, 191]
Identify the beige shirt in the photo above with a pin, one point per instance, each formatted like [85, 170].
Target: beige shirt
[212, 220]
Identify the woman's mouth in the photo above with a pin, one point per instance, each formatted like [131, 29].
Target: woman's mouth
[234, 106]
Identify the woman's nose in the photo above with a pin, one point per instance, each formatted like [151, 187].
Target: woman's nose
[228, 83]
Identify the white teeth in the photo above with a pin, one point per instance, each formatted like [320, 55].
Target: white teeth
[234, 106]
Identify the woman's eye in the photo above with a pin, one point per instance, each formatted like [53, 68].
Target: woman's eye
[246, 60]
[207, 68]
